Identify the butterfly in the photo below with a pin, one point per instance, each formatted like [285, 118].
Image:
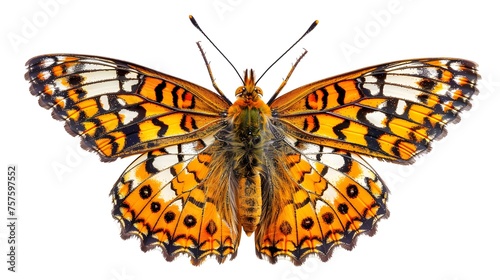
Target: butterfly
[290, 170]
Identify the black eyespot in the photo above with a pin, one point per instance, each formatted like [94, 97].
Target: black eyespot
[145, 192]
[343, 208]
[352, 191]
[307, 223]
[155, 207]
[169, 216]
[189, 221]
[328, 218]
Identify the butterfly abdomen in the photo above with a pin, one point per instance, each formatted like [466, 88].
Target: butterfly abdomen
[248, 139]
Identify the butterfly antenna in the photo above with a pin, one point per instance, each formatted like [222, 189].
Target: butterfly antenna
[313, 25]
[193, 21]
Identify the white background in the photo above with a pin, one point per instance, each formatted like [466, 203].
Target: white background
[444, 209]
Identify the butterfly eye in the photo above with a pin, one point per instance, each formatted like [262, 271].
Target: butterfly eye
[259, 91]
[240, 90]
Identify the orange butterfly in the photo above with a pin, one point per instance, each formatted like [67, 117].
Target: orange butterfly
[289, 170]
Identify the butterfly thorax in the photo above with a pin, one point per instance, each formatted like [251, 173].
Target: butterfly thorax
[248, 116]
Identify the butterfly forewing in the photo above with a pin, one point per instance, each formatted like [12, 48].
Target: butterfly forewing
[121, 108]
[390, 111]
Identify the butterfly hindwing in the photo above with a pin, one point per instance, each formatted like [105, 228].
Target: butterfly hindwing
[121, 108]
[327, 198]
[166, 198]
[391, 111]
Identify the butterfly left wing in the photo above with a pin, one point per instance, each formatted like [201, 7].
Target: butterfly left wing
[391, 111]
[321, 198]
[170, 196]
[120, 108]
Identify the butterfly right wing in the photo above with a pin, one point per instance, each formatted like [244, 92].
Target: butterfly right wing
[390, 111]
[175, 198]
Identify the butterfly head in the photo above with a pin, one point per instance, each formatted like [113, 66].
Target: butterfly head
[249, 90]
